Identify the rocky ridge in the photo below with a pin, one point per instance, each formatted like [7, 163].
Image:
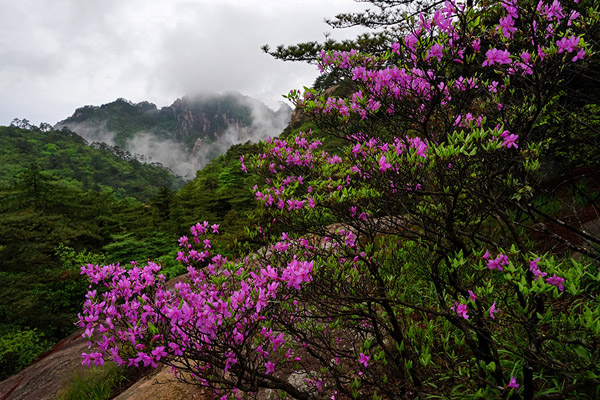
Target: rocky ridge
[183, 136]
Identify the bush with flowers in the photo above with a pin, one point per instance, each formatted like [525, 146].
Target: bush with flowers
[413, 264]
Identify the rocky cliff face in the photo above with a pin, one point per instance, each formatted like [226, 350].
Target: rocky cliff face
[192, 130]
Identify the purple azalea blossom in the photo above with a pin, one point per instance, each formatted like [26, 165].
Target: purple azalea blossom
[270, 367]
[363, 359]
[461, 309]
[513, 383]
[493, 311]
[472, 295]
[556, 281]
[435, 51]
[383, 164]
[495, 56]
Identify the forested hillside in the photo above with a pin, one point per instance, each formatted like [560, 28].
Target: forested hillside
[64, 154]
[64, 203]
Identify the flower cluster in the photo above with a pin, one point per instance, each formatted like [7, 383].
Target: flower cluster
[135, 320]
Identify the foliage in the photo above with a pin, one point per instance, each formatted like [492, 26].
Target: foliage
[18, 348]
[61, 203]
[222, 193]
[51, 223]
[98, 383]
[415, 263]
[65, 155]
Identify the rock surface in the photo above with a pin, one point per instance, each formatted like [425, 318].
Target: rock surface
[161, 384]
[47, 376]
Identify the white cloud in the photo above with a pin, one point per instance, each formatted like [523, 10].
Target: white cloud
[57, 56]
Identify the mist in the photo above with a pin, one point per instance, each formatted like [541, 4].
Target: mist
[263, 126]
[166, 152]
[148, 147]
[91, 132]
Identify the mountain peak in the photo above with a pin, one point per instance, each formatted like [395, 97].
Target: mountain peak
[185, 135]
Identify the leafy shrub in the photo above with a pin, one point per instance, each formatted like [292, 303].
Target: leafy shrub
[413, 264]
[18, 348]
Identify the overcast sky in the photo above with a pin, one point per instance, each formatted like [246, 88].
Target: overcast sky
[58, 55]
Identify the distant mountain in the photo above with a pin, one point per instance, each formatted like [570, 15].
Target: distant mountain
[183, 136]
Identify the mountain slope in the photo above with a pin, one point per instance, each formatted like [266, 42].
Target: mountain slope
[66, 155]
[64, 203]
[183, 136]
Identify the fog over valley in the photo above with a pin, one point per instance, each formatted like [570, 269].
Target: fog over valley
[183, 137]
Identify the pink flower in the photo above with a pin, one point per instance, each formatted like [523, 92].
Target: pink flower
[556, 281]
[98, 360]
[508, 26]
[270, 367]
[493, 311]
[541, 53]
[410, 41]
[383, 164]
[243, 166]
[88, 333]
[86, 359]
[159, 352]
[510, 141]
[511, 8]
[363, 359]
[553, 11]
[579, 56]
[420, 145]
[572, 17]
[175, 349]
[435, 51]
[374, 105]
[567, 44]
[277, 341]
[533, 267]
[513, 383]
[461, 309]
[498, 262]
[472, 295]
[495, 56]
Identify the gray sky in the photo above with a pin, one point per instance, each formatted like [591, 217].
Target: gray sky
[58, 55]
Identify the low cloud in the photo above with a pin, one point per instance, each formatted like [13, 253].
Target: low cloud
[56, 56]
[147, 147]
[167, 152]
[263, 126]
[91, 132]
